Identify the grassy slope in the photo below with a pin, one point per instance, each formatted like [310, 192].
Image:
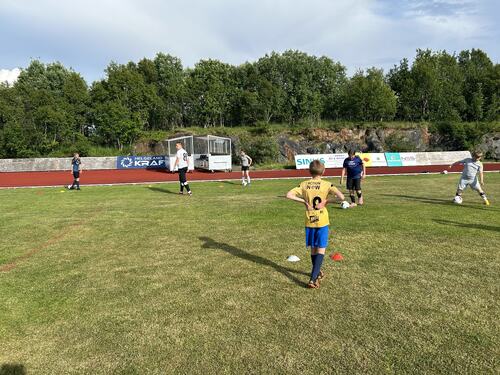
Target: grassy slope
[133, 279]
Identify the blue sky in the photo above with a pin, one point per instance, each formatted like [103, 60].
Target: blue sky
[87, 34]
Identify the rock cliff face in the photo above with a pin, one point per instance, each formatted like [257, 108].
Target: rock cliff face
[319, 140]
[490, 145]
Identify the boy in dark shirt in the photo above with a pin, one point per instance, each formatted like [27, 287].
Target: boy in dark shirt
[355, 170]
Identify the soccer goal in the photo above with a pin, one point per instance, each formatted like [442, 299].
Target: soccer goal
[212, 153]
[187, 143]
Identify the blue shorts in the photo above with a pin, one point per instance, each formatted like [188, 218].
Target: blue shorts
[317, 237]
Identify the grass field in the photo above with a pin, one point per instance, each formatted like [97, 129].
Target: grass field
[139, 280]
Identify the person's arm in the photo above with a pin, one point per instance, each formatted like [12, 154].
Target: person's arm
[176, 162]
[456, 162]
[481, 176]
[342, 176]
[250, 160]
[292, 195]
[364, 171]
[338, 196]
[80, 168]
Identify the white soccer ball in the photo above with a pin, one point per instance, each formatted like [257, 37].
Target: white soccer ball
[457, 199]
[244, 184]
[69, 186]
[345, 205]
[445, 172]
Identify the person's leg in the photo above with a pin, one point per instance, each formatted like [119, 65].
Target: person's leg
[358, 190]
[77, 183]
[462, 185]
[243, 176]
[318, 261]
[477, 187]
[352, 196]
[248, 175]
[321, 242]
[182, 179]
[186, 185]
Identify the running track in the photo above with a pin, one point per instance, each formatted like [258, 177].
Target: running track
[127, 176]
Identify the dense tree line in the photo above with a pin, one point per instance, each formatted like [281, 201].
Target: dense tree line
[51, 107]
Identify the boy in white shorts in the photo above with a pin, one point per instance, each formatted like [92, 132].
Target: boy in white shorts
[472, 167]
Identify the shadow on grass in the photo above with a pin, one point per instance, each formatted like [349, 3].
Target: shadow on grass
[12, 369]
[467, 225]
[162, 190]
[445, 202]
[209, 243]
[229, 182]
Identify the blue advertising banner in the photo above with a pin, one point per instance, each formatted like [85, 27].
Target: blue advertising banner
[146, 162]
[393, 159]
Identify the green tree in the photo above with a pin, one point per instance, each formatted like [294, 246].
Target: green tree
[210, 92]
[369, 98]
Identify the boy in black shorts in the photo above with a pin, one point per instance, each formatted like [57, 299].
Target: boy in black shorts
[246, 162]
[355, 170]
[76, 169]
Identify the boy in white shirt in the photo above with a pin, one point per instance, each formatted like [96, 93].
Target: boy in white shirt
[472, 168]
[181, 162]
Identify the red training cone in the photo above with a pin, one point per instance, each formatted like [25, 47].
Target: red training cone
[336, 257]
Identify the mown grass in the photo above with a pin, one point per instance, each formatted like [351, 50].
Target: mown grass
[139, 280]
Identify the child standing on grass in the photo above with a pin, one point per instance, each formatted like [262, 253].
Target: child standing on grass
[355, 170]
[76, 170]
[181, 162]
[472, 167]
[313, 194]
[246, 162]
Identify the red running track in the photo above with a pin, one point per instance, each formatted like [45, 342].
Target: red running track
[123, 176]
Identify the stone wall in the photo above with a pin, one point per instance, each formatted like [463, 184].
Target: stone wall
[54, 164]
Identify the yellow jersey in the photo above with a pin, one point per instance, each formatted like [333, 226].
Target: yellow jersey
[314, 192]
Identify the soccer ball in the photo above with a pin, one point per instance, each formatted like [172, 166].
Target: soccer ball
[457, 199]
[69, 186]
[445, 172]
[244, 183]
[345, 205]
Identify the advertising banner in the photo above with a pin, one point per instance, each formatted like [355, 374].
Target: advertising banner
[329, 160]
[145, 162]
[376, 159]
[413, 158]
[393, 159]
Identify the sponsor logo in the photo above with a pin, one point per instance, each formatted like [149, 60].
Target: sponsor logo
[129, 162]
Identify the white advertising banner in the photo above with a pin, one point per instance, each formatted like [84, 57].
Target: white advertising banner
[329, 160]
[373, 159]
[409, 158]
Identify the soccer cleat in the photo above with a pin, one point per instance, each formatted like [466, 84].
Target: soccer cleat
[312, 284]
[181, 193]
[486, 202]
[190, 193]
[321, 276]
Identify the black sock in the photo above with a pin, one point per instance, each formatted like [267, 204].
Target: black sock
[313, 260]
[78, 184]
[187, 187]
[358, 194]
[73, 184]
[353, 198]
[182, 187]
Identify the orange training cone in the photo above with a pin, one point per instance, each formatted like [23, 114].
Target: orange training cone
[336, 257]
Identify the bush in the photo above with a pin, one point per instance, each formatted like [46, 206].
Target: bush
[261, 149]
[461, 135]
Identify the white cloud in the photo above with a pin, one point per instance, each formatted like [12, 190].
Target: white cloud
[9, 75]
[87, 35]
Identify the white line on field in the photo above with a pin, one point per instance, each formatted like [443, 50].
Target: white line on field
[228, 179]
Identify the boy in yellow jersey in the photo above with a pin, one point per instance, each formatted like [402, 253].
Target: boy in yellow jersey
[313, 194]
